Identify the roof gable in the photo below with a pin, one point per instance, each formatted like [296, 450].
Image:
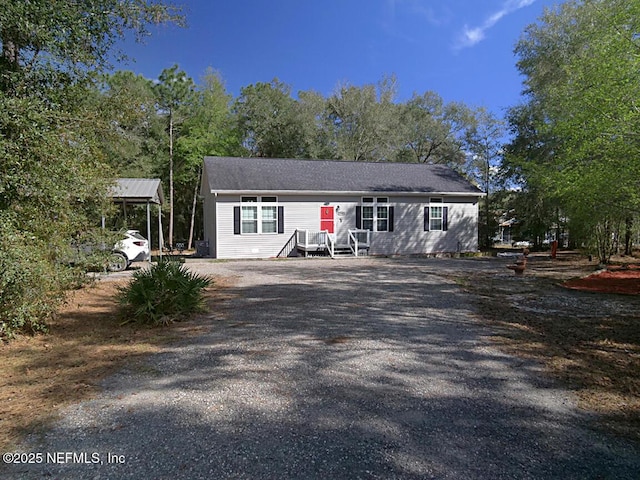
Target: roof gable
[230, 174]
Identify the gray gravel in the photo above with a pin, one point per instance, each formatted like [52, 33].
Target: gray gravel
[354, 368]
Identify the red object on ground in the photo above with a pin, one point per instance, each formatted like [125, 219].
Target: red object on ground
[624, 280]
[554, 248]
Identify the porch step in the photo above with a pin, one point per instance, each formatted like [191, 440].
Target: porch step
[338, 251]
[342, 251]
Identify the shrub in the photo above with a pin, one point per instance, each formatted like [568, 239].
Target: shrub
[166, 292]
[32, 284]
[89, 251]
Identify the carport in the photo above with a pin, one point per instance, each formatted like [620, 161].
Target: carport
[140, 191]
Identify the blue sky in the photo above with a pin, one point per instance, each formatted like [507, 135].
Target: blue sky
[461, 49]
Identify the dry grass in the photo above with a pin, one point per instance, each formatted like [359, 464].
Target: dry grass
[86, 342]
[595, 354]
[597, 358]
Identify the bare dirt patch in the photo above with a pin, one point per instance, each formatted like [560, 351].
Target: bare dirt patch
[623, 279]
[586, 338]
[86, 342]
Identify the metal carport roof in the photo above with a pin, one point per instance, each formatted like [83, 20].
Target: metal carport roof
[138, 190]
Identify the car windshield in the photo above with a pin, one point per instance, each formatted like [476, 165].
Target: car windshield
[136, 235]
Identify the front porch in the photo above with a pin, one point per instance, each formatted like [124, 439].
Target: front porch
[308, 242]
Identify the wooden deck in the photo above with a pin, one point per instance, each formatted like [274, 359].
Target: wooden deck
[322, 242]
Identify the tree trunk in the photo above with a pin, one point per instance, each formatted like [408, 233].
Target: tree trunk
[605, 241]
[170, 179]
[628, 236]
[487, 206]
[193, 209]
[9, 52]
[10, 57]
[558, 228]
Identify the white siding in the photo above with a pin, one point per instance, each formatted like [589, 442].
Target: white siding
[409, 238]
[303, 212]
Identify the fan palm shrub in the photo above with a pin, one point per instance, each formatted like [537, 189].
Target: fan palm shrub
[162, 294]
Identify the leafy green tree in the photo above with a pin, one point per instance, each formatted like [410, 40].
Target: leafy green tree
[49, 45]
[484, 155]
[210, 129]
[174, 94]
[128, 102]
[580, 64]
[316, 125]
[526, 161]
[53, 177]
[359, 123]
[363, 120]
[268, 120]
[433, 132]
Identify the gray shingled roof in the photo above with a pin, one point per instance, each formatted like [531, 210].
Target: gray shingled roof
[229, 174]
[138, 190]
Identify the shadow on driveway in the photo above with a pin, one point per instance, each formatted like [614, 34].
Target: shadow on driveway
[348, 369]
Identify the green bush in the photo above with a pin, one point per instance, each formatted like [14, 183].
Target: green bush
[89, 251]
[32, 284]
[166, 292]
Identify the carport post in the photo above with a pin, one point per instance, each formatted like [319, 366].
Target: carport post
[149, 227]
[160, 237]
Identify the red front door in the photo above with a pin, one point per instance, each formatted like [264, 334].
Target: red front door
[326, 219]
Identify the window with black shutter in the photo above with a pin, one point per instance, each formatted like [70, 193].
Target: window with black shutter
[436, 216]
[375, 214]
[258, 215]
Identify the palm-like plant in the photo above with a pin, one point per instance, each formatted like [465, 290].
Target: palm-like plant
[165, 293]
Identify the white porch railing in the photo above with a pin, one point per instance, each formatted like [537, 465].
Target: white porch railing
[322, 241]
[359, 239]
[331, 244]
[310, 241]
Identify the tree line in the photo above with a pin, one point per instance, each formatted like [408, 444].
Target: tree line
[165, 127]
[566, 159]
[575, 146]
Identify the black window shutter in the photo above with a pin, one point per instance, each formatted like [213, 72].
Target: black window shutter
[445, 218]
[391, 219]
[358, 217]
[280, 219]
[236, 220]
[426, 219]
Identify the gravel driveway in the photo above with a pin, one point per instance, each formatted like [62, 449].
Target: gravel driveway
[332, 369]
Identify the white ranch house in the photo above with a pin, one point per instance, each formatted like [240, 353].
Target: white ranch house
[265, 207]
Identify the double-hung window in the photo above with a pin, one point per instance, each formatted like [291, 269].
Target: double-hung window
[259, 215]
[269, 218]
[377, 214]
[436, 216]
[249, 214]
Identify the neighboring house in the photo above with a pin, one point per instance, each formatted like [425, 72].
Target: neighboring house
[507, 227]
[265, 207]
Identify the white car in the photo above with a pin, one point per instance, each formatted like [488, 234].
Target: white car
[523, 244]
[133, 248]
